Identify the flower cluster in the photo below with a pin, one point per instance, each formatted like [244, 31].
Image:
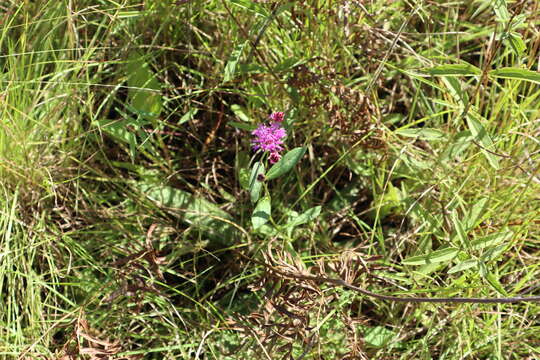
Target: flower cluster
[270, 137]
[276, 116]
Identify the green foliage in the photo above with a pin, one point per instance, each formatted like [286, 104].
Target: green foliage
[255, 184]
[261, 213]
[135, 215]
[285, 164]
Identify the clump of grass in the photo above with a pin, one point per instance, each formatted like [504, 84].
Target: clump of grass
[134, 223]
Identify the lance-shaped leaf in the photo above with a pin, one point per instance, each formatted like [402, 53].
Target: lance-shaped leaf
[286, 163]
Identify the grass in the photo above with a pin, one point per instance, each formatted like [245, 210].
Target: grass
[128, 224]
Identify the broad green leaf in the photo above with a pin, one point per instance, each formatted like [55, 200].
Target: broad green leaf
[501, 10]
[454, 70]
[178, 199]
[417, 76]
[286, 64]
[460, 142]
[118, 129]
[255, 185]
[241, 163]
[250, 69]
[490, 240]
[424, 270]
[307, 216]
[230, 68]
[188, 116]
[516, 74]
[517, 43]
[262, 211]
[464, 265]
[126, 131]
[286, 163]
[144, 88]
[481, 136]
[493, 253]
[460, 229]
[414, 163]
[390, 202]
[194, 210]
[430, 222]
[242, 126]
[379, 336]
[491, 279]
[455, 90]
[480, 8]
[243, 178]
[475, 214]
[269, 231]
[227, 195]
[239, 112]
[441, 255]
[422, 133]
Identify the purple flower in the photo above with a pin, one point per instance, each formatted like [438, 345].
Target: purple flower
[276, 116]
[269, 138]
[274, 157]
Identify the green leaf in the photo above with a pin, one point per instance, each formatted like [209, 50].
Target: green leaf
[459, 143]
[480, 134]
[230, 68]
[285, 165]
[307, 216]
[490, 240]
[239, 112]
[390, 203]
[454, 70]
[243, 178]
[255, 185]
[251, 6]
[144, 88]
[476, 213]
[422, 133]
[491, 279]
[464, 265]
[516, 74]
[262, 211]
[437, 256]
[493, 253]
[517, 43]
[188, 116]
[242, 126]
[494, 282]
[194, 210]
[460, 229]
[501, 10]
[286, 64]
[417, 76]
[250, 69]
[379, 336]
[414, 163]
[455, 90]
[118, 129]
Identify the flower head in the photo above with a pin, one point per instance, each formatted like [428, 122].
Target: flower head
[274, 157]
[269, 138]
[276, 116]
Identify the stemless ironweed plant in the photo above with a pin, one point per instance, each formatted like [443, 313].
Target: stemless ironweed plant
[269, 138]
